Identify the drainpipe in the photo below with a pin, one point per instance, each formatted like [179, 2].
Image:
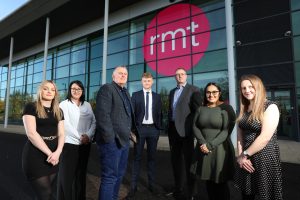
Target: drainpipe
[105, 28]
[231, 61]
[46, 48]
[8, 82]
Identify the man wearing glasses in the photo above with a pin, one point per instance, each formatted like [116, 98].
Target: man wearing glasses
[180, 134]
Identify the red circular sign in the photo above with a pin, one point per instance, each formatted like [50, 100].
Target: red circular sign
[176, 37]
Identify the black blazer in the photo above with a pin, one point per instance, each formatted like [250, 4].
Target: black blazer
[138, 102]
[113, 120]
[183, 109]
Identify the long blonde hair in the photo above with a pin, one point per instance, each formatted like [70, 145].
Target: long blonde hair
[258, 101]
[54, 104]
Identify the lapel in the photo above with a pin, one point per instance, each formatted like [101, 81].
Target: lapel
[183, 94]
[121, 96]
[172, 97]
[153, 101]
[141, 100]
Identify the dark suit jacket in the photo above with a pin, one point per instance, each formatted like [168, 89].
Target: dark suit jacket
[138, 102]
[113, 120]
[184, 106]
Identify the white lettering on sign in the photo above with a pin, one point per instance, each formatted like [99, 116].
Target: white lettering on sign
[173, 34]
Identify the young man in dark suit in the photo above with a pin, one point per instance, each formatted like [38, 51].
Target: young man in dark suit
[148, 114]
[114, 124]
[181, 138]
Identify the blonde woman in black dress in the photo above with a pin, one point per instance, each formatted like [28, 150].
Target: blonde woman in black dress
[43, 122]
[259, 174]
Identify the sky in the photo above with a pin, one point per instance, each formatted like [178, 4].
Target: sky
[9, 6]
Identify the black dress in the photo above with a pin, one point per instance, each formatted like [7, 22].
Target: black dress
[266, 180]
[33, 160]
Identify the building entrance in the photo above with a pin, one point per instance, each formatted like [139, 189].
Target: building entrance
[287, 128]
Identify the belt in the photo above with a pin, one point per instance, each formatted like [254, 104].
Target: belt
[148, 125]
[49, 138]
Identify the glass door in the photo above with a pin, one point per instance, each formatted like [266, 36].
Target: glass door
[287, 122]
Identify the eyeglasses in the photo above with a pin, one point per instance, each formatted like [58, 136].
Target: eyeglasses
[76, 90]
[212, 92]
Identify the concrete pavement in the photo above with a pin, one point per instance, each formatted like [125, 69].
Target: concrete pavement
[14, 186]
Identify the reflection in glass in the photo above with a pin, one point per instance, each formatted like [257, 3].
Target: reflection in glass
[295, 4]
[29, 79]
[62, 84]
[78, 68]
[136, 56]
[19, 81]
[29, 89]
[295, 23]
[96, 64]
[117, 59]
[117, 45]
[95, 78]
[63, 60]
[39, 58]
[63, 50]
[80, 78]
[297, 75]
[216, 19]
[118, 31]
[62, 72]
[49, 64]
[20, 72]
[208, 5]
[297, 48]
[48, 75]
[38, 67]
[212, 61]
[96, 51]
[78, 56]
[30, 69]
[221, 78]
[200, 80]
[3, 84]
[13, 73]
[217, 40]
[79, 45]
[12, 82]
[96, 40]
[134, 87]
[136, 40]
[135, 72]
[109, 75]
[38, 77]
[140, 23]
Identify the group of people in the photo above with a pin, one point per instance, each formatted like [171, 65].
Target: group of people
[199, 129]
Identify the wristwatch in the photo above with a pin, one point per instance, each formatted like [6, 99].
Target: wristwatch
[245, 153]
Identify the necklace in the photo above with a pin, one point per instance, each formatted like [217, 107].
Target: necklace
[47, 109]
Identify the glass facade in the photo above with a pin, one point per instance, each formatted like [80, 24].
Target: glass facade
[255, 33]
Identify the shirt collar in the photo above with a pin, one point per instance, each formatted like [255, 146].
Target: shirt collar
[121, 88]
[179, 86]
[147, 91]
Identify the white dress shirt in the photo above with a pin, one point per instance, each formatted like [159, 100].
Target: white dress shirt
[150, 117]
[79, 120]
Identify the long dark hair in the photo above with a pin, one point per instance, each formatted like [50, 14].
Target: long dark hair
[79, 83]
[205, 102]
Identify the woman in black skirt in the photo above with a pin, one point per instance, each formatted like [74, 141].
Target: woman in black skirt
[43, 122]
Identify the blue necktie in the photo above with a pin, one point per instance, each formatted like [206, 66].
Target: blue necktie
[147, 106]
